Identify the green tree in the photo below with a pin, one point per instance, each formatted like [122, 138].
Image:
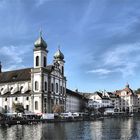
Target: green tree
[137, 91]
[18, 107]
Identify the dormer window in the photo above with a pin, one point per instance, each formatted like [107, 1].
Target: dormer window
[14, 77]
[21, 88]
[11, 88]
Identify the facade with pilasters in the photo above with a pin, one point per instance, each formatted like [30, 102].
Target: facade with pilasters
[38, 88]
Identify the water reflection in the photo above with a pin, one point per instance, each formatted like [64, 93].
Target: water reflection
[106, 129]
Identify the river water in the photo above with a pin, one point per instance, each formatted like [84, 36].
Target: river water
[105, 129]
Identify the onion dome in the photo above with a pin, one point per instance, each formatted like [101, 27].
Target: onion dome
[40, 42]
[59, 55]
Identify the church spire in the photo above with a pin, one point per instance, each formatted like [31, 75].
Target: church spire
[127, 85]
[59, 55]
[40, 43]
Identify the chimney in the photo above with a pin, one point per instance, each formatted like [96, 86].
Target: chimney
[0, 67]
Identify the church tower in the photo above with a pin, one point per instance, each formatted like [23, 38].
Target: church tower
[40, 52]
[39, 79]
[59, 58]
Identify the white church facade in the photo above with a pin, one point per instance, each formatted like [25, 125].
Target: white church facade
[39, 88]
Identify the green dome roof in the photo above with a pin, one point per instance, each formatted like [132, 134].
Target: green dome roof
[40, 42]
[59, 55]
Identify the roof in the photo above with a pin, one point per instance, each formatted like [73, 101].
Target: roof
[112, 95]
[59, 55]
[15, 75]
[70, 92]
[49, 67]
[102, 96]
[40, 43]
[128, 90]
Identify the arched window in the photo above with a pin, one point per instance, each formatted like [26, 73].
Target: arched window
[52, 87]
[45, 86]
[56, 87]
[6, 108]
[62, 70]
[44, 61]
[61, 90]
[36, 85]
[37, 60]
[36, 105]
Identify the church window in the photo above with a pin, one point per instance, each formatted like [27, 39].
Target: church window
[5, 108]
[45, 86]
[14, 77]
[45, 105]
[37, 60]
[36, 85]
[56, 87]
[5, 99]
[62, 70]
[27, 107]
[52, 87]
[27, 98]
[1, 89]
[44, 61]
[16, 99]
[36, 105]
[61, 89]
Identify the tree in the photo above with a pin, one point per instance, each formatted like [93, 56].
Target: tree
[58, 109]
[18, 107]
[91, 110]
[137, 91]
[101, 110]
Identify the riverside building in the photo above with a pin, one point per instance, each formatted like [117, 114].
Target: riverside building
[38, 88]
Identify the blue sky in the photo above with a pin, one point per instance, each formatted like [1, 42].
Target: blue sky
[99, 38]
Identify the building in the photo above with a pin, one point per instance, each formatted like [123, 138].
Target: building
[38, 88]
[138, 101]
[114, 100]
[128, 100]
[75, 102]
[98, 100]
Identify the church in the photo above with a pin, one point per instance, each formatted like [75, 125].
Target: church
[38, 88]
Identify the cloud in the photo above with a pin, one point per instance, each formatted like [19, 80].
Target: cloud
[100, 71]
[12, 56]
[122, 59]
[40, 2]
[121, 55]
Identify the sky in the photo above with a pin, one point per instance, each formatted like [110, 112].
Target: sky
[100, 39]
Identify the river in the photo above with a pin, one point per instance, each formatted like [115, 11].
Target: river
[105, 129]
